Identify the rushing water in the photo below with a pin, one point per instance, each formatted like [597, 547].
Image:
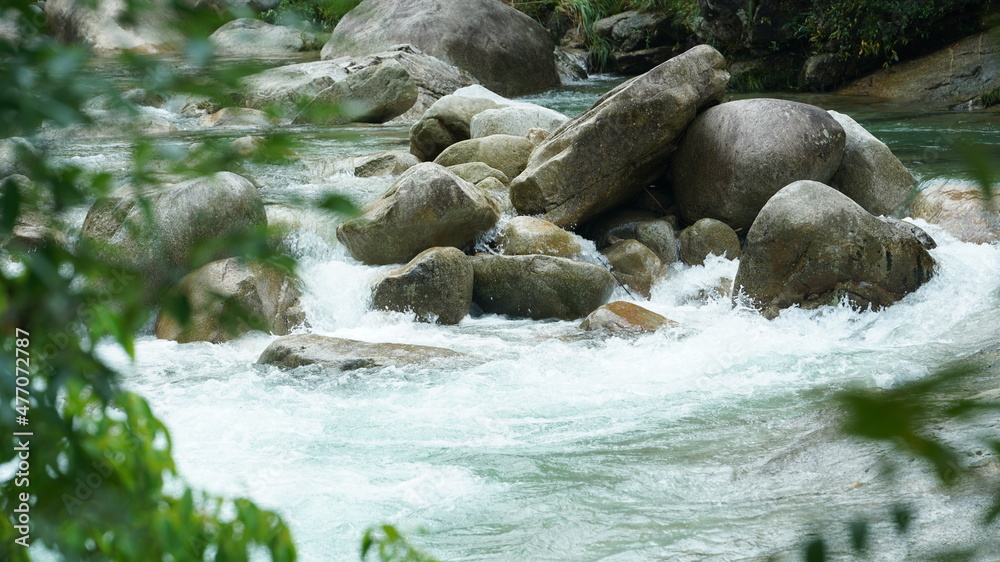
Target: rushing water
[712, 440]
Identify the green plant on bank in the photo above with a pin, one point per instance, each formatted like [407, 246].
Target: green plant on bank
[317, 14]
[96, 479]
[879, 29]
[991, 98]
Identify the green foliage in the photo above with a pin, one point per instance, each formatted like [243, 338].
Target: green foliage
[388, 545]
[879, 29]
[991, 98]
[102, 480]
[318, 14]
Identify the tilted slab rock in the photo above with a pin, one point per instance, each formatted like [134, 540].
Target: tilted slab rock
[606, 155]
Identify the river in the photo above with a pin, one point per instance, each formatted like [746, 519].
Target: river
[715, 440]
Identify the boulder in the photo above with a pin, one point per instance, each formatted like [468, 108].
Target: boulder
[539, 287]
[625, 318]
[448, 120]
[869, 173]
[635, 265]
[497, 191]
[515, 120]
[708, 236]
[506, 153]
[522, 236]
[390, 163]
[428, 206]
[434, 77]
[436, 286]
[231, 297]
[35, 226]
[100, 26]
[812, 246]
[735, 156]
[961, 209]
[606, 155]
[957, 73]
[504, 49]
[658, 236]
[340, 354]
[237, 117]
[184, 216]
[634, 31]
[913, 230]
[475, 172]
[571, 65]
[14, 153]
[371, 90]
[253, 37]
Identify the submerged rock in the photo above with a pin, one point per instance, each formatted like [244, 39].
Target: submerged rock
[735, 156]
[812, 246]
[869, 173]
[184, 216]
[960, 209]
[428, 206]
[606, 155]
[299, 350]
[237, 117]
[252, 296]
[625, 318]
[503, 48]
[436, 286]
[539, 287]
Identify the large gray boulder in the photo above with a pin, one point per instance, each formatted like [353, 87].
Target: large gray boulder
[371, 90]
[735, 156]
[434, 77]
[506, 153]
[961, 209]
[870, 173]
[609, 153]
[99, 26]
[812, 246]
[231, 297]
[515, 120]
[340, 354]
[428, 206]
[249, 36]
[184, 216]
[504, 49]
[539, 287]
[436, 286]
[522, 236]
